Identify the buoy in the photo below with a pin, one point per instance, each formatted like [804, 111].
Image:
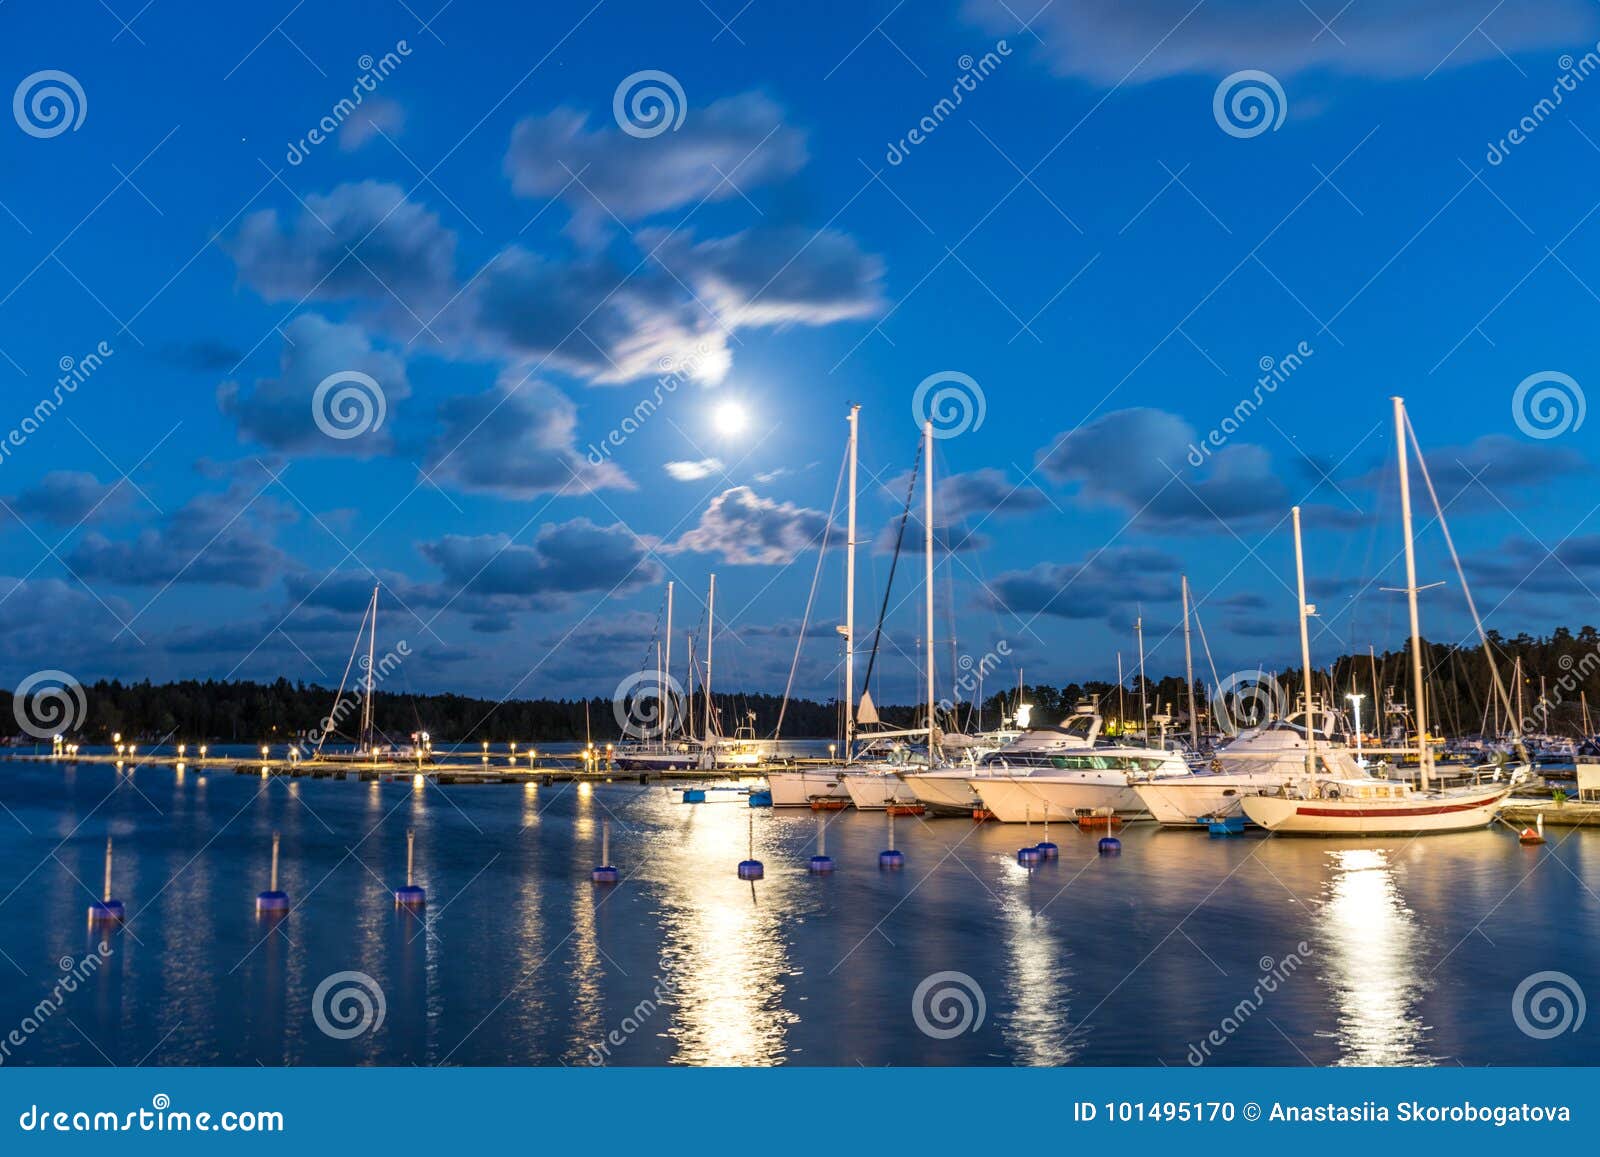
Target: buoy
[694, 795]
[821, 864]
[1102, 818]
[980, 815]
[605, 873]
[752, 868]
[1047, 850]
[759, 798]
[891, 859]
[273, 902]
[906, 809]
[828, 803]
[410, 896]
[1110, 846]
[1532, 836]
[1226, 826]
[107, 910]
[1028, 856]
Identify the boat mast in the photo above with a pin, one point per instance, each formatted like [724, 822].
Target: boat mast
[372, 647]
[927, 518]
[850, 599]
[1305, 647]
[1188, 668]
[1144, 712]
[711, 632]
[1425, 755]
[666, 667]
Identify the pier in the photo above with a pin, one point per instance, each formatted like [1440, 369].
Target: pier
[543, 770]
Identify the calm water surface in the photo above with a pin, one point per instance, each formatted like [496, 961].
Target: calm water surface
[1411, 949]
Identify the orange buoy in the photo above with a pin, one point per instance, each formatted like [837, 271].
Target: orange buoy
[823, 803]
[906, 809]
[979, 815]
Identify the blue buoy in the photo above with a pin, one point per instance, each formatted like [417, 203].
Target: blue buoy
[1048, 851]
[605, 873]
[760, 799]
[891, 859]
[821, 864]
[272, 902]
[1110, 846]
[410, 896]
[107, 911]
[694, 795]
[1028, 857]
[1226, 826]
[751, 869]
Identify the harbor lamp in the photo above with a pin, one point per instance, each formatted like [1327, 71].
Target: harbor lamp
[1355, 707]
[202, 751]
[182, 747]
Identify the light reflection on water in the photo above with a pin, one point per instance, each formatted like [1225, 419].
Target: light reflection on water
[1412, 948]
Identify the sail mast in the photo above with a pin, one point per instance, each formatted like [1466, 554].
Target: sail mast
[1425, 754]
[850, 599]
[666, 667]
[927, 518]
[1188, 668]
[1305, 648]
[711, 633]
[1144, 693]
[372, 647]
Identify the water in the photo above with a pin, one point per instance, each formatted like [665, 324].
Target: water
[1411, 949]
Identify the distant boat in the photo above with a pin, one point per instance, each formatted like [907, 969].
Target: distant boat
[367, 747]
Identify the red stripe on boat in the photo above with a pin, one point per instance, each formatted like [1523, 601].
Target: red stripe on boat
[1387, 813]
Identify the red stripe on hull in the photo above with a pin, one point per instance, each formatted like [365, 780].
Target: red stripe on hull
[1395, 813]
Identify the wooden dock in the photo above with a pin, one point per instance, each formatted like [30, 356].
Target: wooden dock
[1567, 814]
[544, 770]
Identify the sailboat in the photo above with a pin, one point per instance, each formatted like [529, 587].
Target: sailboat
[876, 783]
[664, 751]
[1324, 804]
[367, 748]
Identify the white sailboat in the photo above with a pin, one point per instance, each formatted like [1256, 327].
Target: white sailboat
[1327, 803]
[367, 748]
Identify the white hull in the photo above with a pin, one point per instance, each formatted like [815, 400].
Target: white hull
[876, 790]
[1020, 799]
[796, 787]
[1409, 816]
[946, 791]
[1193, 800]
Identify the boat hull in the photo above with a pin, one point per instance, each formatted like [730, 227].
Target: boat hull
[1021, 799]
[1193, 801]
[876, 790]
[797, 787]
[944, 793]
[1364, 817]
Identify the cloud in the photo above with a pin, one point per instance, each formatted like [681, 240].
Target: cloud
[517, 441]
[1110, 42]
[278, 412]
[68, 498]
[1094, 587]
[205, 355]
[590, 317]
[565, 558]
[746, 529]
[775, 275]
[694, 471]
[361, 241]
[1139, 462]
[47, 623]
[221, 539]
[1495, 461]
[374, 116]
[720, 151]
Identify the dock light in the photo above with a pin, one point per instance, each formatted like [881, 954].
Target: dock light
[132, 747]
[203, 750]
[265, 751]
[513, 749]
[182, 747]
[117, 738]
[832, 747]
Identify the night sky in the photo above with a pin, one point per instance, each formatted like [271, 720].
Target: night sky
[612, 275]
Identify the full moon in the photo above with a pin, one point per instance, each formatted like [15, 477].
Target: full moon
[729, 419]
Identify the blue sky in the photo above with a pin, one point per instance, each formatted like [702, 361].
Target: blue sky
[1109, 254]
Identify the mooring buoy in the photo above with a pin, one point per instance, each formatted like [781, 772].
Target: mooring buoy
[410, 896]
[821, 864]
[272, 902]
[107, 910]
[605, 873]
[752, 868]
